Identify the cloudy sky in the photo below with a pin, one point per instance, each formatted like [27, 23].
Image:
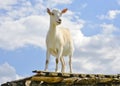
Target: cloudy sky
[94, 25]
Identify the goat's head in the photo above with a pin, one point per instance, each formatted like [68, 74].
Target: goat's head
[55, 15]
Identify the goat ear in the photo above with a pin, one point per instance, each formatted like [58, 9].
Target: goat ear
[64, 10]
[48, 11]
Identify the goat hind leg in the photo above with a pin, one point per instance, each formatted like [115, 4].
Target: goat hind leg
[63, 64]
[70, 63]
[58, 57]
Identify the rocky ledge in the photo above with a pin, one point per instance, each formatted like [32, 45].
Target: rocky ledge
[42, 78]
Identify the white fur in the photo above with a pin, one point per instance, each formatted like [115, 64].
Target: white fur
[58, 41]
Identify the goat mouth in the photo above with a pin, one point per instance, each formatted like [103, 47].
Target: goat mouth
[59, 22]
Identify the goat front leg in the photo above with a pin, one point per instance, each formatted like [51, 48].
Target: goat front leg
[58, 57]
[47, 60]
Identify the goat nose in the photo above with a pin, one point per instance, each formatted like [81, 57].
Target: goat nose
[59, 19]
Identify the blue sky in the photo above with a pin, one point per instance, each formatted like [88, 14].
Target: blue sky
[94, 25]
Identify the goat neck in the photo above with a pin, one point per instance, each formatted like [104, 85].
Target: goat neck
[52, 28]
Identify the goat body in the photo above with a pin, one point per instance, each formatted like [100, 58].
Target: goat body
[61, 38]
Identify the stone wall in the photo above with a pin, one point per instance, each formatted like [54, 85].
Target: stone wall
[42, 78]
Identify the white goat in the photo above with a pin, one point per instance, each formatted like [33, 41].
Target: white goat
[58, 41]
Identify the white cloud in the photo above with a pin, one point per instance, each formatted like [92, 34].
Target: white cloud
[6, 4]
[108, 28]
[61, 1]
[8, 73]
[112, 14]
[98, 53]
[25, 9]
[29, 30]
[16, 8]
[52, 3]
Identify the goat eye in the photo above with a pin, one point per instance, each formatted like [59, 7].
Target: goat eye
[52, 14]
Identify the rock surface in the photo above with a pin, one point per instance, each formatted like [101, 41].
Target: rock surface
[42, 78]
